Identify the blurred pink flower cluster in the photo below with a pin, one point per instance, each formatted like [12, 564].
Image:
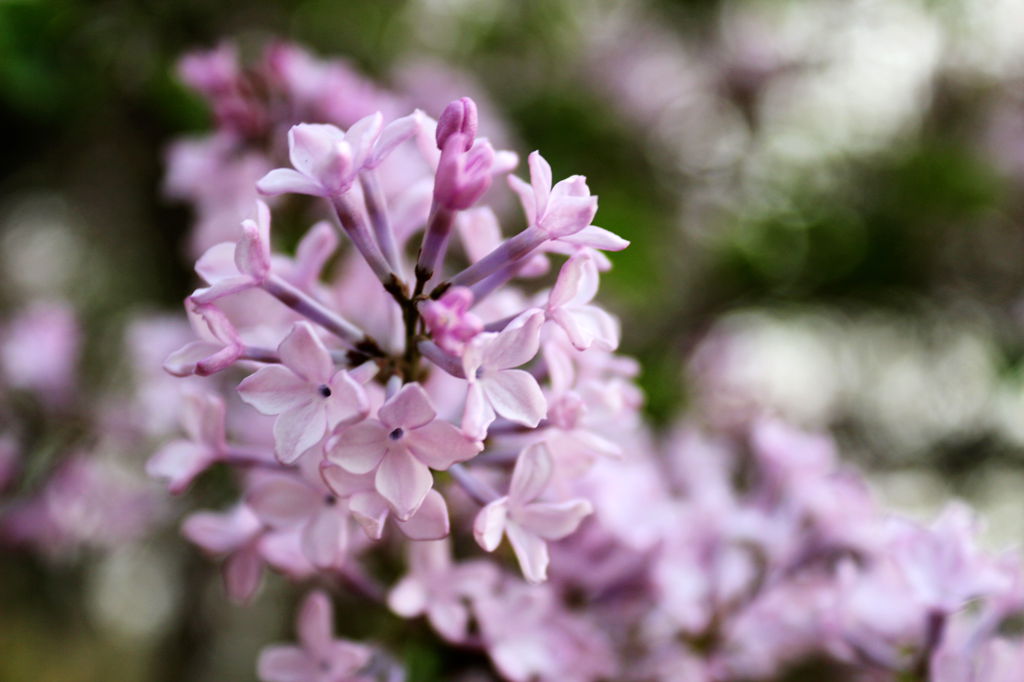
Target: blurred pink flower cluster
[406, 373]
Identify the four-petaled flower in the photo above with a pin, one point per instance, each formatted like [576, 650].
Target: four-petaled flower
[495, 386]
[402, 445]
[569, 306]
[327, 161]
[529, 523]
[306, 393]
[320, 657]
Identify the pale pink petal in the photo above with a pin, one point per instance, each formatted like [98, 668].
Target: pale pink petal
[490, 524]
[569, 282]
[588, 325]
[478, 414]
[178, 463]
[298, 430]
[345, 659]
[203, 418]
[430, 522]
[526, 198]
[219, 361]
[348, 402]
[408, 409]
[540, 179]
[531, 474]
[312, 253]
[282, 501]
[473, 356]
[403, 481]
[344, 483]
[516, 345]
[287, 181]
[596, 238]
[243, 572]
[282, 550]
[531, 551]
[370, 511]
[313, 149]
[315, 622]
[359, 448]
[304, 353]
[394, 134]
[439, 445]
[222, 288]
[553, 520]
[275, 389]
[183, 362]
[362, 135]
[217, 263]
[408, 598]
[285, 664]
[325, 538]
[252, 255]
[569, 215]
[221, 533]
[516, 396]
[450, 618]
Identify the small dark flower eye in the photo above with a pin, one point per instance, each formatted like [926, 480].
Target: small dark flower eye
[325, 390]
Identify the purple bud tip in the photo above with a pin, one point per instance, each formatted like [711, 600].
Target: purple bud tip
[458, 117]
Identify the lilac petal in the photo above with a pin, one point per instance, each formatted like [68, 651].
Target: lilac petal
[274, 390]
[222, 288]
[312, 253]
[183, 362]
[359, 448]
[404, 482]
[597, 238]
[478, 414]
[531, 474]
[347, 403]
[313, 149]
[219, 361]
[298, 430]
[409, 408]
[178, 463]
[430, 522]
[439, 445]
[282, 550]
[517, 344]
[569, 215]
[516, 396]
[540, 180]
[282, 501]
[325, 538]
[315, 622]
[285, 664]
[343, 483]
[394, 134]
[370, 511]
[526, 198]
[489, 524]
[203, 418]
[450, 618]
[553, 520]
[588, 325]
[362, 135]
[252, 255]
[217, 263]
[409, 597]
[287, 181]
[345, 659]
[304, 353]
[531, 551]
[243, 573]
[569, 282]
[221, 533]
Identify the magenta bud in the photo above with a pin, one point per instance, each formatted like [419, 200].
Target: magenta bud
[458, 117]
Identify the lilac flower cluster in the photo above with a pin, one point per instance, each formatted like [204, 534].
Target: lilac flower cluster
[396, 387]
[412, 387]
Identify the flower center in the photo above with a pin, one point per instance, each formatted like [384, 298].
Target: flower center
[324, 390]
[396, 434]
[330, 500]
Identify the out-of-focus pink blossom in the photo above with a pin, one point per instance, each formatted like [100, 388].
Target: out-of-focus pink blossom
[180, 461]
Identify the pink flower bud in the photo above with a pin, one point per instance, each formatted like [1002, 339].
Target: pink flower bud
[458, 117]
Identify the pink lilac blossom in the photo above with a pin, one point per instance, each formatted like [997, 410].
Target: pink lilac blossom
[412, 378]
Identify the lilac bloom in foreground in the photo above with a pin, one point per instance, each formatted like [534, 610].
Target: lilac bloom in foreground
[527, 522]
[495, 386]
[320, 657]
[305, 392]
[402, 445]
[327, 161]
[569, 306]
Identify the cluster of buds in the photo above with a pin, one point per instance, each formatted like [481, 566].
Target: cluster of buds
[400, 388]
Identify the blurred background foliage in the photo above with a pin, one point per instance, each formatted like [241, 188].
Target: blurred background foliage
[824, 200]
